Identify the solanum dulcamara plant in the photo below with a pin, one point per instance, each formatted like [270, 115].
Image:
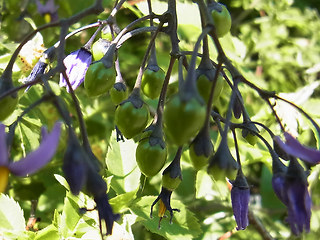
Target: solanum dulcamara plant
[169, 113]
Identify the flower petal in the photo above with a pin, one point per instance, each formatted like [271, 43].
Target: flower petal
[76, 64]
[294, 148]
[105, 212]
[3, 146]
[299, 207]
[40, 157]
[240, 203]
[278, 184]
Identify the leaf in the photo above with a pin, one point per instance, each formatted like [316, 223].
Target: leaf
[121, 202]
[185, 225]
[62, 181]
[48, 233]
[204, 185]
[121, 162]
[12, 222]
[29, 133]
[70, 216]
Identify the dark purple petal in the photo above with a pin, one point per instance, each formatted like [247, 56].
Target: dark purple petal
[299, 207]
[240, 205]
[74, 166]
[278, 181]
[105, 213]
[294, 148]
[3, 146]
[76, 64]
[40, 157]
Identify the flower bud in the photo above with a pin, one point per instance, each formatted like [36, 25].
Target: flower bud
[222, 164]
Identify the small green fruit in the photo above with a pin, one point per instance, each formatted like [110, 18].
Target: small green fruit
[221, 18]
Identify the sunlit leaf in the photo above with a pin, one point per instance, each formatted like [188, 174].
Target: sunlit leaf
[11, 225]
[121, 162]
[184, 225]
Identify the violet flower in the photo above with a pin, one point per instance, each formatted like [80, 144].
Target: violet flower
[76, 64]
[240, 197]
[33, 161]
[98, 188]
[164, 199]
[294, 148]
[299, 200]
[49, 8]
[75, 165]
[105, 213]
[291, 187]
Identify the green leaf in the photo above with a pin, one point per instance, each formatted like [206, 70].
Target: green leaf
[204, 185]
[12, 222]
[121, 162]
[48, 233]
[70, 216]
[184, 225]
[121, 202]
[62, 181]
[29, 133]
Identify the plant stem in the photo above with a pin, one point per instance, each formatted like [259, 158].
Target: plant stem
[137, 84]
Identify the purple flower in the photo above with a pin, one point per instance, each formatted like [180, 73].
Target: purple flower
[294, 148]
[105, 213]
[75, 165]
[33, 161]
[299, 206]
[240, 197]
[278, 185]
[164, 201]
[76, 64]
[48, 8]
[291, 187]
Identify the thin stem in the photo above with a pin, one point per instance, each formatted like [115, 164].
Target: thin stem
[137, 84]
[135, 32]
[302, 111]
[229, 114]
[92, 25]
[129, 26]
[275, 114]
[258, 225]
[116, 9]
[88, 45]
[236, 147]
[210, 100]
[173, 26]
[163, 92]
[190, 79]
[83, 129]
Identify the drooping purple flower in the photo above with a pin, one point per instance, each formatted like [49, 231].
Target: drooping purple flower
[98, 188]
[48, 8]
[299, 206]
[299, 200]
[75, 165]
[34, 160]
[105, 213]
[76, 64]
[240, 197]
[278, 179]
[291, 187]
[294, 148]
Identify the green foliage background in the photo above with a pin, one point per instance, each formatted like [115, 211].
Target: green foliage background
[275, 44]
